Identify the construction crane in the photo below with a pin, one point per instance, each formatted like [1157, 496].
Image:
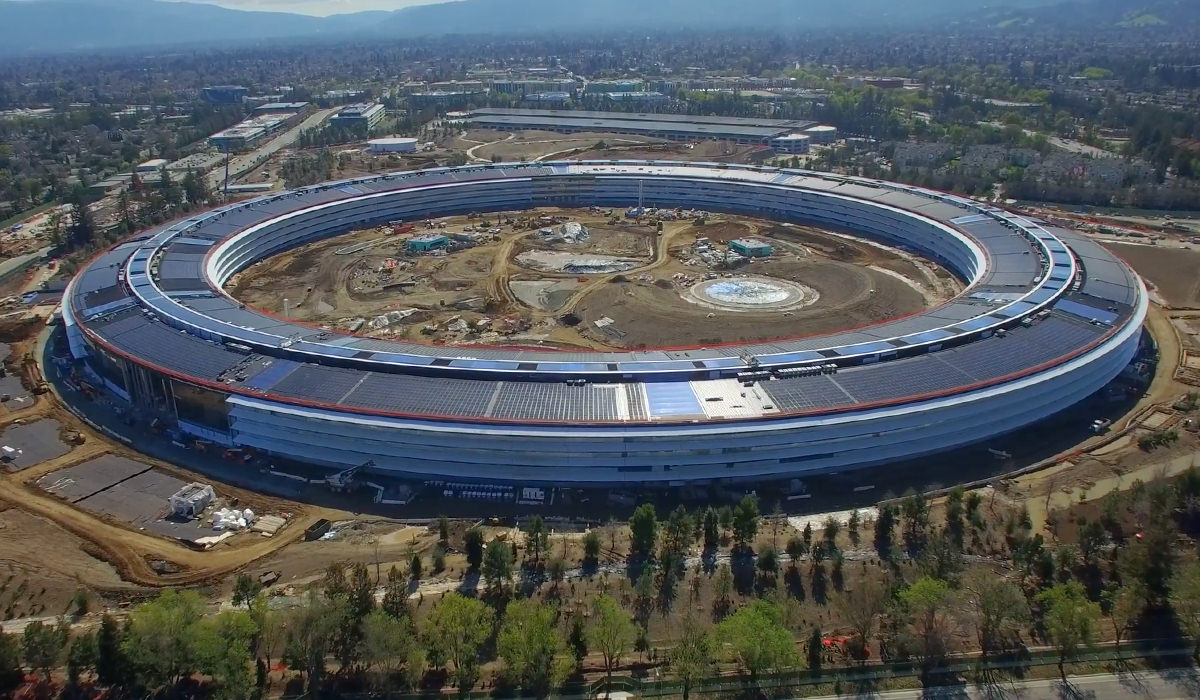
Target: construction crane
[343, 481]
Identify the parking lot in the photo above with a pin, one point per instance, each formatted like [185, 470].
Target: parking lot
[127, 491]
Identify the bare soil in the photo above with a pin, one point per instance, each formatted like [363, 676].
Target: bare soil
[1172, 271]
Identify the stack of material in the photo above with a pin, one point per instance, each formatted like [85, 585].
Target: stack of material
[232, 519]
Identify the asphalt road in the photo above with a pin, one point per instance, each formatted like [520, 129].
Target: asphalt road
[1172, 684]
[242, 163]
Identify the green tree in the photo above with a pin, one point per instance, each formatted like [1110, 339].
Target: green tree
[81, 657]
[245, 587]
[455, 631]
[389, 648]
[861, 606]
[1184, 597]
[643, 530]
[224, 651]
[473, 546]
[1069, 619]
[160, 639]
[997, 608]
[536, 538]
[677, 535]
[815, 651]
[531, 647]
[610, 632]
[497, 567]
[10, 662]
[926, 604]
[443, 529]
[712, 529]
[311, 628]
[691, 659]
[395, 594]
[885, 526]
[757, 640]
[591, 547]
[42, 645]
[111, 664]
[745, 521]
[1125, 605]
[415, 568]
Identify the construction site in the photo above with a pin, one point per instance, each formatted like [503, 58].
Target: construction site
[590, 278]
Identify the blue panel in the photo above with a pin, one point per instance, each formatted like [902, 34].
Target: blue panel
[672, 399]
[865, 348]
[401, 358]
[927, 336]
[975, 324]
[786, 357]
[1021, 307]
[722, 362]
[1040, 295]
[267, 378]
[655, 366]
[1084, 311]
[572, 367]
[483, 364]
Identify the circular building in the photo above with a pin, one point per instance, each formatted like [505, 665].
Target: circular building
[392, 145]
[1047, 318]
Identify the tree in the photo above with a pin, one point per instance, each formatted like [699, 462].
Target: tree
[414, 568]
[531, 647]
[722, 587]
[745, 521]
[757, 640]
[712, 529]
[926, 603]
[677, 535]
[224, 651]
[591, 547]
[161, 636]
[390, 646]
[10, 662]
[81, 657]
[111, 668]
[998, 608]
[691, 659]
[1184, 597]
[815, 650]
[556, 569]
[832, 527]
[497, 567]
[861, 607]
[395, 594]
[473, 546]
[455, 630]
[310, 631]
[1125, 604]
[885, 525]
[536, 538]
[443, 529]
[796, 549]
[42, 645]
[245, 587]
[643, 530]
[1069, 619]
[609, 632]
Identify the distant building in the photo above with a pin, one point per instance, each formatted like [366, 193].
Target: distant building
[606, 86]
[224, 94]
[557, 99]
[151, 166]
[342, 95]
[637, 97]
[444, 98]
[822, 134]
[791, 144]
[358, 116]
[427, 242]
[250, 132]
[751, 247]
[278, 107]
[392, 145]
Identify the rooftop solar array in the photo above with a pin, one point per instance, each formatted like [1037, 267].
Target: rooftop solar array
[151, 300]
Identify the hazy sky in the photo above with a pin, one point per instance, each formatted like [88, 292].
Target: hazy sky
[315, 7]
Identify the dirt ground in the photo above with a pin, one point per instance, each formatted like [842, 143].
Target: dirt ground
[1172, 271]
[487, 292]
